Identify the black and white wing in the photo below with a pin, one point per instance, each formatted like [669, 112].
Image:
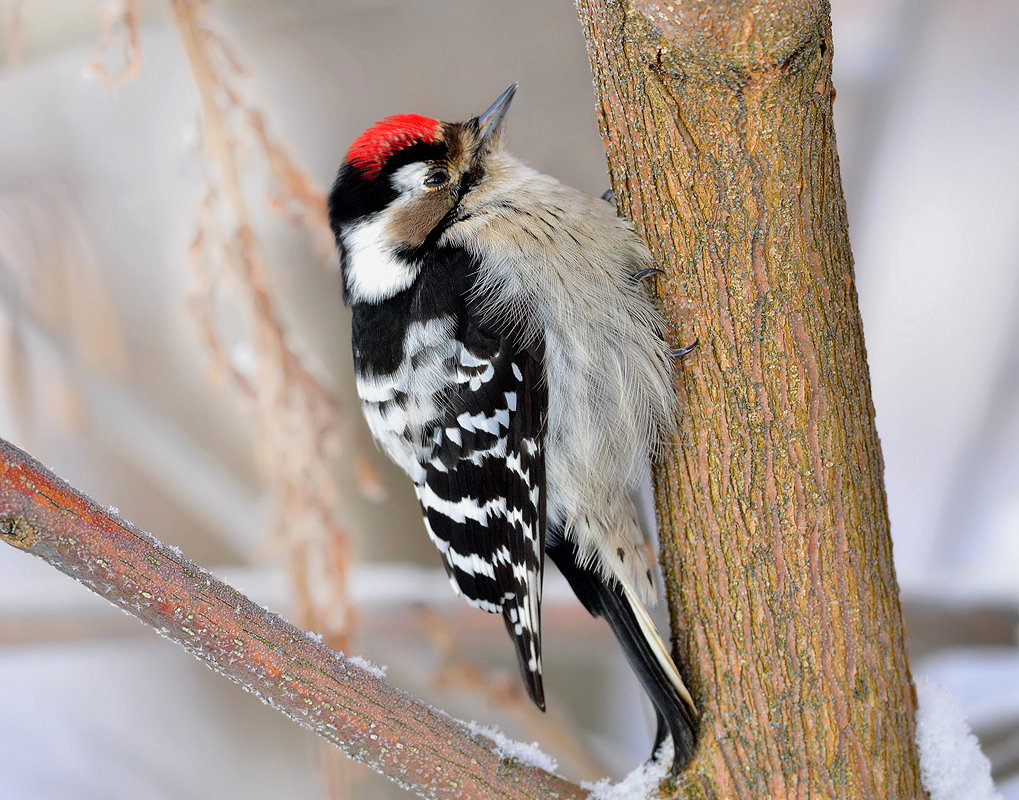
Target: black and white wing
[483, 494]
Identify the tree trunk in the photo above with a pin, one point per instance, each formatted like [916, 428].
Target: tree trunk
[717, 119]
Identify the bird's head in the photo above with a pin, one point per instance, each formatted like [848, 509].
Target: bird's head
[402, 182]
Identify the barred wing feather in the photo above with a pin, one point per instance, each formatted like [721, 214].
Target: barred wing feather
[483, 493]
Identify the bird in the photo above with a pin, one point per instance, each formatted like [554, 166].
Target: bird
[509, 358]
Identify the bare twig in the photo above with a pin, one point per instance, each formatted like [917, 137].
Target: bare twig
[121, 20]
[344, 703]
[295, 193]
[298, 421]
[299, 425]
[13, 29]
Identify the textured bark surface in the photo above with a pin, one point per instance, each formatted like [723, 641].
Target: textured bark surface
[717, 118]
[335, 697]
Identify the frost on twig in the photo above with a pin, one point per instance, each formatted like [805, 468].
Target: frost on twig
[509, 748]
[501, 691]
[291, 671]
[378, 670]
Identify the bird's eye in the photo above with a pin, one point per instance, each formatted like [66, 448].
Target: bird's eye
[436, 177]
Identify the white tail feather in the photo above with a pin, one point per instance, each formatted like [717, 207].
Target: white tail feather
[658, 645]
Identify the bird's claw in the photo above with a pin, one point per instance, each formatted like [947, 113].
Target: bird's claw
[638, 277]
[679, 352]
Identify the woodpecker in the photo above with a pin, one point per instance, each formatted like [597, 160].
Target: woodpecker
[510, 360]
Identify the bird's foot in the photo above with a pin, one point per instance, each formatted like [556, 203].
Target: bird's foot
[638, 277]
[679, 352]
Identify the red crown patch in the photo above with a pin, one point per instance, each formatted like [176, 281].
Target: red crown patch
[376, 145]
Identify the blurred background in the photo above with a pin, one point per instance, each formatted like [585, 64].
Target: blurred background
[172, 341]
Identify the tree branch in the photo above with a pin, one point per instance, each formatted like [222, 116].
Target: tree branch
[344, 703]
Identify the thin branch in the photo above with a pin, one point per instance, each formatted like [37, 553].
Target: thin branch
[302, 432]
[15, 34]
[344, 703]
[121, 21]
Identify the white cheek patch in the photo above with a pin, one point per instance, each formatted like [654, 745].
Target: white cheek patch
[373, 272]
[410, 178]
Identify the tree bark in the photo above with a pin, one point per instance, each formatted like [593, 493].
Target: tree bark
[717, 119]
[341, 700]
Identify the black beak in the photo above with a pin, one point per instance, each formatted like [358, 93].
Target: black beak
[491, 120]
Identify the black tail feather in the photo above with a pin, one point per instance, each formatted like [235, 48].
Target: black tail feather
[532, 677]
[661, 731]
[674, 715]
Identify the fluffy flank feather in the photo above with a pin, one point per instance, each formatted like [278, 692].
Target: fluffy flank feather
[613, 401]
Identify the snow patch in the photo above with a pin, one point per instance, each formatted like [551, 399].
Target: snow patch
[378, 670]
[952, 765]
[530, 754]
[641, 784]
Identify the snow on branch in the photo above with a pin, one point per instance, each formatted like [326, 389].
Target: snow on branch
[338, 698]
[951, 762]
